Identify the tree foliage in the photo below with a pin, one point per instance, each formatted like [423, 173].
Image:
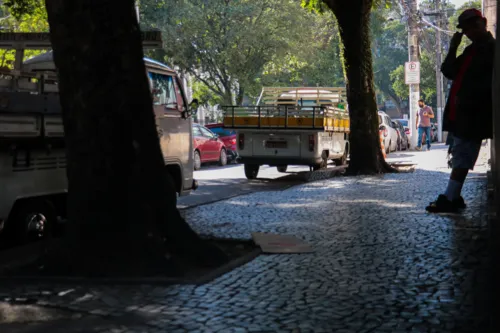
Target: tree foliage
[226, 45]
[390, 49]
[396, 38]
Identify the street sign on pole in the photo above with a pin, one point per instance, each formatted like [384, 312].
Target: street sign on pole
[412, 72]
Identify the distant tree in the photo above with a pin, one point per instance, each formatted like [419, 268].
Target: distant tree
[226, 44]
[353, 17]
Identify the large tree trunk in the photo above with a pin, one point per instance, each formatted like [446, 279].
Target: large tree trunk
[354, 26]
[122, 202]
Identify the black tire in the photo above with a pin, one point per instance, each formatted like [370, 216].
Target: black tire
[34, 220]
[342, 160]
[282, 168]
[222, 157]
[399, 146]
[320, 166]
[251, 170]
[197, 160]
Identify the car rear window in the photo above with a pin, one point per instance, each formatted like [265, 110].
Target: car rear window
[221, 131]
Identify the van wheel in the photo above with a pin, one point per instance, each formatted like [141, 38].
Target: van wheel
[197, 160]
[223, 157]
[34, 220]
[282, 168]
[251, 170]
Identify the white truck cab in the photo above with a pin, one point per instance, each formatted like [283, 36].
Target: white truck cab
[33, 182]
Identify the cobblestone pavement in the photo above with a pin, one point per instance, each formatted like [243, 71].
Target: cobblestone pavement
[381, 264]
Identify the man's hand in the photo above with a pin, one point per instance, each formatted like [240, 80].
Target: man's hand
[456, 40]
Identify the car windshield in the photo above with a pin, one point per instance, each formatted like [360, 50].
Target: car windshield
[404, 122]
[222, 131]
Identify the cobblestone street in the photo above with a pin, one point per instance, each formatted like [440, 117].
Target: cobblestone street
[381, 264]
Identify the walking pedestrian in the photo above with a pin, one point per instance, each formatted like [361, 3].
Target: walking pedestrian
[424, 116]
[468, 112]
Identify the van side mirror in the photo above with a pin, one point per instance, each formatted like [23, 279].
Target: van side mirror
[194, 105]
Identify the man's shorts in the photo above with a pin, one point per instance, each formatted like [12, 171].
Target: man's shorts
[464, 153]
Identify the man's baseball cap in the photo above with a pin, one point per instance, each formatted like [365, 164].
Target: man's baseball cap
[468, 15]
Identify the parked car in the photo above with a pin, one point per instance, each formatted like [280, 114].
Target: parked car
[434, 132]
[207, 147]
[389, 130]
[227, 136]
[405, 123]
[404, 140]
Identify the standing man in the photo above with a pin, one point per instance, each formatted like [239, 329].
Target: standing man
[424, 117]
[468, 112]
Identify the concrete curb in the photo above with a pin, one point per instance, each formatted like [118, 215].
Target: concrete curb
[23, 255]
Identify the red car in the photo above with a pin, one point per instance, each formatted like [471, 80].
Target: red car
[207, 147]
[228, 137]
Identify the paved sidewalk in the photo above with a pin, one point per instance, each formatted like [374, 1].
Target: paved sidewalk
[381, 265]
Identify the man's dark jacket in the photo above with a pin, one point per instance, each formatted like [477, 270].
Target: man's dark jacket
[473, 110]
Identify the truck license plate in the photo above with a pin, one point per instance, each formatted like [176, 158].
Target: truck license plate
[276, 144]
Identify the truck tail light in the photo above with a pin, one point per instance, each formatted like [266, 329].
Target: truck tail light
[312, 142]
[241, 141]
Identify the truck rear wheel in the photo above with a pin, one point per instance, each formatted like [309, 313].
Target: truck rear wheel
[282, 168]
[322, 165]
[251, 170]
[342, 160]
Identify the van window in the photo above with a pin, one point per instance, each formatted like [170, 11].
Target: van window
[163, 91]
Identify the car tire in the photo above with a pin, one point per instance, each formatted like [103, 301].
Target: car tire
[222, 157]
[251, 170]
[398, 146]
[29, 215]
[197, 160]
[282, 168]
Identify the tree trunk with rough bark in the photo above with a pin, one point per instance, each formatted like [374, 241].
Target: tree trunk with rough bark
[354, 26]
[122, 202]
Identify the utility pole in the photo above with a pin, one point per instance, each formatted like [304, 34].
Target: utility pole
[414, 56]
[439, 76]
